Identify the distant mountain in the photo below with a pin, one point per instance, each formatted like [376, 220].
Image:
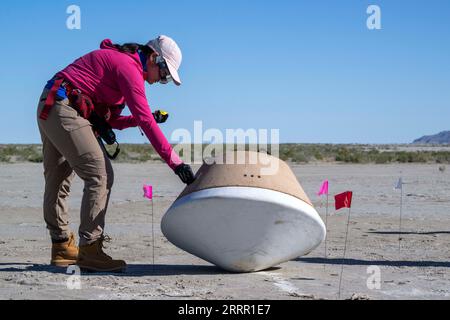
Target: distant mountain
[440, 138]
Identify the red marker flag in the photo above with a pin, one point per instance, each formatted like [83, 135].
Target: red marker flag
[343, 200]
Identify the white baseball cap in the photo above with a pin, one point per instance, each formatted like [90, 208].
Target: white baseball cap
[167, 48]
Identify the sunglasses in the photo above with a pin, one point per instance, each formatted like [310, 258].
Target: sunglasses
[164, 73]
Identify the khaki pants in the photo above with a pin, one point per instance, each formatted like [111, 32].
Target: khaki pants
[69, 148]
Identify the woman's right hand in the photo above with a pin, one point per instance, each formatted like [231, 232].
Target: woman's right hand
[185, 173]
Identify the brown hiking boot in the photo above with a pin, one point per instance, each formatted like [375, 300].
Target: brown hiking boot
[64, 253]
[92, 258]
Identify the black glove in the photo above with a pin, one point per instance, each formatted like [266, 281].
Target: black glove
[185, 173]
[160, 116]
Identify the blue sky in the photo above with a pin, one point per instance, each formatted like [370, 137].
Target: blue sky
[311, 69]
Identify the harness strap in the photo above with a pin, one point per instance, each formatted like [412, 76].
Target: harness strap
[50, 101]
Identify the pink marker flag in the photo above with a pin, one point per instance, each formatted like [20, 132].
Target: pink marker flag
[148, 191]
[324, 188]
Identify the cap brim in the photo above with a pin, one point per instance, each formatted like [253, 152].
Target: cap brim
[174, 74]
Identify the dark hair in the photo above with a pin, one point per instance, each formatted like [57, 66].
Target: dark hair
[133, 48]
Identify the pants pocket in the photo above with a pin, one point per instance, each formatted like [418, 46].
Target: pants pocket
[70, 119]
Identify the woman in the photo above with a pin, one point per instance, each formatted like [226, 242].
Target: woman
[98, 83]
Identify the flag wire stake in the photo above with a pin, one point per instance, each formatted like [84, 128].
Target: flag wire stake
[345, 249]
[326, 227]
[153, 240]
[400, 222]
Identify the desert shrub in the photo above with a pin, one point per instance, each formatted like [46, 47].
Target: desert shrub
[441, 156]
[318, 155]
[349, 155]
[402, 157]
[36, 158]
[4, 158]
[299, 157]
[384, 157]
[288, 152]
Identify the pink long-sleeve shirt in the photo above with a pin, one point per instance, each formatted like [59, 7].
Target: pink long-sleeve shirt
[111, 78]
